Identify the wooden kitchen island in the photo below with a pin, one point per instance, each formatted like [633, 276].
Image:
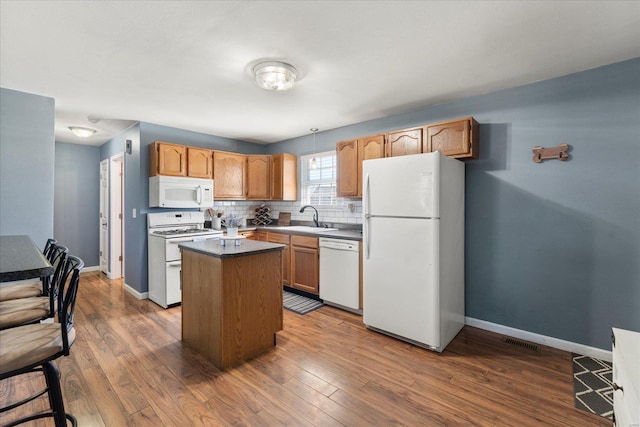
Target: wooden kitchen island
[231, 299]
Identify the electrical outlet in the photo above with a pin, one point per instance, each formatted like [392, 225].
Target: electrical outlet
[135, 214]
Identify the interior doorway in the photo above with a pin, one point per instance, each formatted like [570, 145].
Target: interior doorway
[104, 217]
[116, 218]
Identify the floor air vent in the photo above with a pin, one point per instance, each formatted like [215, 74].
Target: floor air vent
[521, 344]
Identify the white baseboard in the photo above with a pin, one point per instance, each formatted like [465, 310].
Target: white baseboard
[92, 268]
[138, 295]
[572, 347]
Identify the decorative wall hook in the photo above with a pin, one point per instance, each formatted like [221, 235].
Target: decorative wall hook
[558, 153]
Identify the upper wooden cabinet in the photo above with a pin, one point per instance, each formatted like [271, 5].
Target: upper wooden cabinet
[199, 163]
[229, 175]
[258, 177]
[236, 176]
[347, 168]
[284, 177]
[167, 159]
[349, 156]
[404, 142]
[457, 138]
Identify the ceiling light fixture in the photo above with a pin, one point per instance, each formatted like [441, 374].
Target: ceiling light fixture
[81, 132]
[275, 75]
[314, 164]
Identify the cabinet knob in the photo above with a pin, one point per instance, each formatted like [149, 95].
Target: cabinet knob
[616, 387]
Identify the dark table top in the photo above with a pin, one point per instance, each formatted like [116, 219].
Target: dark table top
[20, 258]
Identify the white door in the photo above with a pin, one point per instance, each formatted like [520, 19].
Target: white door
[104, 216]
[405, 186]
[116, 216]
[400, 278]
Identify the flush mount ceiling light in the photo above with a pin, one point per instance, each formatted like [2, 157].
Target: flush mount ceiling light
[82, 132]
[275, 75]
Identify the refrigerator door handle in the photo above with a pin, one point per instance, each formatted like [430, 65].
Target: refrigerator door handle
[367, 240]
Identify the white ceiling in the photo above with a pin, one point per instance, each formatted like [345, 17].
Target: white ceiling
[186, 64]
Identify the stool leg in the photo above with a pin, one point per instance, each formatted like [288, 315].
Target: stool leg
[52, 375]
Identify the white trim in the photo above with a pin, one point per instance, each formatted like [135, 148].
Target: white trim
[104, 211]
[92, 268]
[572, 347]
[116, 234]
[138, 295]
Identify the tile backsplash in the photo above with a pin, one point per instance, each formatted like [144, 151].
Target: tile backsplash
[349, 212]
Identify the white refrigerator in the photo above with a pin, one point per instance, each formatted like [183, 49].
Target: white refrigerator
[413, 242]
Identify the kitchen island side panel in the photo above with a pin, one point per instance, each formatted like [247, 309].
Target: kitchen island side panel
[231, 307]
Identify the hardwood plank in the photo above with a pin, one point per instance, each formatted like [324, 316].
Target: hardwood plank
[129, 366]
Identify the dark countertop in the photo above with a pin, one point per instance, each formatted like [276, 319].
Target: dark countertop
[337, 234]
[21, 259]
[229, 250]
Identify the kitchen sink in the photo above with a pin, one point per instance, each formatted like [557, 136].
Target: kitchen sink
[304, 228]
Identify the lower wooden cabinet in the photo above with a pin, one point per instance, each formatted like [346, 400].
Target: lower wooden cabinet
[284, 239]
[305, 264]
[259, 235]
[250, 234]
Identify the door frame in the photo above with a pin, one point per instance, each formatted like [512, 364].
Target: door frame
[116, 216]
[104, 212]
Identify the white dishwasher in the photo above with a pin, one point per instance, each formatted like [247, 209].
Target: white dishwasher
[340, 273]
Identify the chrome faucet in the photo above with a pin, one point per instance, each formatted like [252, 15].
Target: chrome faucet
[315, 215]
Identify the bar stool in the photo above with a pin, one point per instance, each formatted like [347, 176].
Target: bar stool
[23, 311]
[33, 348]
[33, 288]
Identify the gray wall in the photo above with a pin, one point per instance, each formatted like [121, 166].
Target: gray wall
[137, 185]
[77, 200]
[551, 248]
[26, 165]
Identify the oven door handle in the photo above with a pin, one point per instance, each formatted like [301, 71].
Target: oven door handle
[195, 239]
[174, 264]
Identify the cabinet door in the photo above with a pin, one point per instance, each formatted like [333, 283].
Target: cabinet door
[199, 163]
[283, 239]
[229, 175]
[458, 138]
[259, 177]
[284, 177]
[404, 142]
[167, 159]
[305, 260]
[347, 168]
[305, 269]
[248, 234]
[370, 147]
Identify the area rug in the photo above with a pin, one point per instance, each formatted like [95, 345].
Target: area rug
[592, 387]
[299, 304]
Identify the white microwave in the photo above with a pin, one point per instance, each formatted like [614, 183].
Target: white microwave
[180, 192]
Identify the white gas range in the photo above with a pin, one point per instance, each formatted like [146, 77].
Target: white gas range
[166, 231]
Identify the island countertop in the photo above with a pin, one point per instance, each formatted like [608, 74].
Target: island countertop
[230, 250]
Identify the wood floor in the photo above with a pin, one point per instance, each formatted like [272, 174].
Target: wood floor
[128, 367]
